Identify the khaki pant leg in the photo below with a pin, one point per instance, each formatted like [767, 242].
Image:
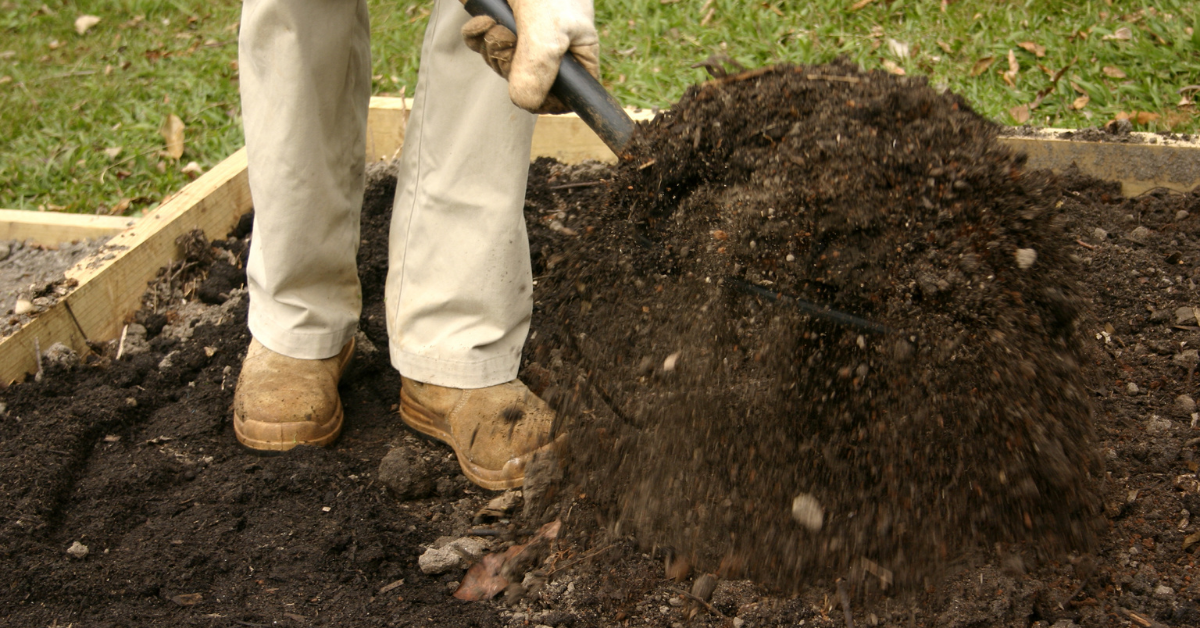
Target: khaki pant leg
[459, 288]
[305, 69]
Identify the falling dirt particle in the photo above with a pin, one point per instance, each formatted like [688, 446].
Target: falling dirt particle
[678, 568]
[670, 362]
[1026, 258]
[807, 511]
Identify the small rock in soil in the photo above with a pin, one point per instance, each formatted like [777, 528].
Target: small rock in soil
[78, 550]
[1185, 316]
[408, 476]
[1132, 389]
[1181, 214]
[5, 251]
[1099, 234]
[1163, 590]
[1187, 359]
[457, 554]
[1185, 405]
[23, 306]
[1157, 425]
[1140, 235]
[59, 357]
[135, 340]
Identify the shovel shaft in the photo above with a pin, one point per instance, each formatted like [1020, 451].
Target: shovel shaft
[574, 86]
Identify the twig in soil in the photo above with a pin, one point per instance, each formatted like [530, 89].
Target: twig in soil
[121, 345]
[37, 350]
[706, 605]
[844, 598]
[839, 79]
[1192, 442]
[1085, 245]
[572, 563]
[1144, 622]
[808, 307]
[581, 184]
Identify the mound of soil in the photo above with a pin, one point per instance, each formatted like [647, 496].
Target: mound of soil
[744, 429]
[125, 500]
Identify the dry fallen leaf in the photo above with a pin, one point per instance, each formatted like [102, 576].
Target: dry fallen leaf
[113, 152]
[1112, 72]
[1121, 34]
[486, 578]
[860, 4]
[891, 67]
[1081, 102]
[1010, 76]
[85, 22]
[120, 207]
[944, 46]
[172, 132]
[1020, 113]
[1145, 117]
[982, 65]
[1029, 46]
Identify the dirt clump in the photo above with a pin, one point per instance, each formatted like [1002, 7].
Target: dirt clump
[950, 410]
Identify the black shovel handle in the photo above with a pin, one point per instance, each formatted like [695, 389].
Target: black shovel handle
[574, 86]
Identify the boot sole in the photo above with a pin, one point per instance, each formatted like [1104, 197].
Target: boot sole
[288, 434]
[422, 420]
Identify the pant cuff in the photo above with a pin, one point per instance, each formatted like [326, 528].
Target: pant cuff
[299, 345]
[455, 374]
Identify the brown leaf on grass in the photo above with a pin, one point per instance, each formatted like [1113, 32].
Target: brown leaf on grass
[1010, 76]
[1081, 102]
[1029, 46]
[860, 4]
[120, 207]
[1075, 86]
[172, 132]
[945, 47]
[488, 577]
[982, 65]
[891, 67]
[1020, 113]
[1113, 72]
[84, 23]
[1121, 34]
[1145, 117]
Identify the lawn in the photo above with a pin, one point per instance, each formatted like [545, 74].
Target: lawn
[84, 118]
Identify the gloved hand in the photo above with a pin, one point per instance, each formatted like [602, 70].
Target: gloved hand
[549, 29]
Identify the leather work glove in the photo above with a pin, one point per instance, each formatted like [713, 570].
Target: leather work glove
[549, 29]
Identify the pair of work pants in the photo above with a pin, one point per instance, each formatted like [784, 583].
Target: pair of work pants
[459, 287]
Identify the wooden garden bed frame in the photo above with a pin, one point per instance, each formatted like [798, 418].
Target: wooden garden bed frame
[111, 283]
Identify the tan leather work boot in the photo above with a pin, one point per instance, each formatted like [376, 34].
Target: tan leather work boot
[282, 402]
[494, 431]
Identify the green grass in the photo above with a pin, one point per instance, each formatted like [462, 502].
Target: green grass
[66, 99]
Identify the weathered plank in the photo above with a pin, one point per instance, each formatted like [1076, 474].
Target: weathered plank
[50, 228]
[112, 282]
[1140, 162]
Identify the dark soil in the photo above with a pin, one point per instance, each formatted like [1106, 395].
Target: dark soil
[986, 454]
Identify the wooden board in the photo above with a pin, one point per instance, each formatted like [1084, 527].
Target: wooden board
[111, 284]
[1140, 161]
[51, 228]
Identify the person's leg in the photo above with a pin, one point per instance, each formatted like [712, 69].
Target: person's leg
[304, 68]
[459, 289]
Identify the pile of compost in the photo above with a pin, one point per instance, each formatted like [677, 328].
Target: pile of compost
[741, 428]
